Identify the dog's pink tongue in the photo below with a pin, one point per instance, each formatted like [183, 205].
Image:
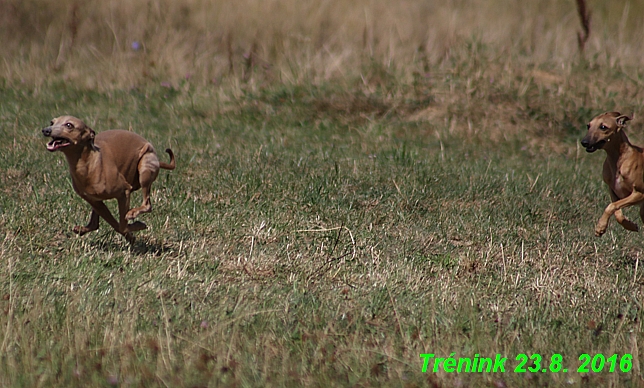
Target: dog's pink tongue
[52, 146]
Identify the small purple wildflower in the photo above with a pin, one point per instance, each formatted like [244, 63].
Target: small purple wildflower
[136, 46]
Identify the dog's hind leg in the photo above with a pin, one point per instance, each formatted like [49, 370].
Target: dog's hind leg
[124, 228]
[148, 172]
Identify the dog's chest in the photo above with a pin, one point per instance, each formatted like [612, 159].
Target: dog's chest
[627, 175]
[621, 186]
[94, 182]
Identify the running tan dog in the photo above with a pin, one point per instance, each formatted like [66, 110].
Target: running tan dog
[623, 167]
[109, 165]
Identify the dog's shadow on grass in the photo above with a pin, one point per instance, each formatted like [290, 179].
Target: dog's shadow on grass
[146, 247]
[141, 246]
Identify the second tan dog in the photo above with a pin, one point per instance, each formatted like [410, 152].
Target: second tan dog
[111, 164]
[623, 168]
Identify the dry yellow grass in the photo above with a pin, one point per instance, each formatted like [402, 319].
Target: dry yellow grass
[91, 43]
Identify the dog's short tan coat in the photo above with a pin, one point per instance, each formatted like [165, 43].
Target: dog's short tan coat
[623, 168]
[110, 164]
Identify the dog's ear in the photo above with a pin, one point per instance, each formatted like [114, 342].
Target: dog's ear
[621, 120]
[89, 136]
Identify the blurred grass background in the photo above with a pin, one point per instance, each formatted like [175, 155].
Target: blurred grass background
[122, 44]
[357, 183]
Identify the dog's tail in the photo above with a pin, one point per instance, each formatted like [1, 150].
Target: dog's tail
[172, 164]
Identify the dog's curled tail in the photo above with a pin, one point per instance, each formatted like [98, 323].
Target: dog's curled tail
[172, 164]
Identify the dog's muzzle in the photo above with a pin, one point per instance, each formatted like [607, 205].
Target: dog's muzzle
[592, 147]
[57, 142]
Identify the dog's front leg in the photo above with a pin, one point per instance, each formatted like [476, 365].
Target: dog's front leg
[625, 222]
[621, 218]
[101, 209]
[635, 198]
[91, 225]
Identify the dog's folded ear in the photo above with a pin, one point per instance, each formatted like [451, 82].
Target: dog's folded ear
[621, 120]
[89, 137]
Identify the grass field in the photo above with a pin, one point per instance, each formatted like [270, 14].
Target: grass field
[347, 196]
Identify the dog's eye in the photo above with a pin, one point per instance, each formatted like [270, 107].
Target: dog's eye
[51, 122]
[588, 125]
[69, 125]
[603, 127]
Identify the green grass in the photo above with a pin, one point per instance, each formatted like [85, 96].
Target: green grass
[326, 233]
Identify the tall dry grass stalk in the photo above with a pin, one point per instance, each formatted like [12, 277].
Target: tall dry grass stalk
[584, 17]
[123, 43]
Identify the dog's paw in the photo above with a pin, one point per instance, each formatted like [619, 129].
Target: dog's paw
[137, 225]
[80, 230]
[600, 231]
[132, 214]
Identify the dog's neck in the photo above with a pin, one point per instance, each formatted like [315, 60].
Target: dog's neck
[80, 159]
[617, 145]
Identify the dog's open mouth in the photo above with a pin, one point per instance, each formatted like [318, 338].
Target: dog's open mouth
[57, 143]
[596, 146]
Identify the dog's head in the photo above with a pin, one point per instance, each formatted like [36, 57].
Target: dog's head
[68, 132]
[602, 128]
